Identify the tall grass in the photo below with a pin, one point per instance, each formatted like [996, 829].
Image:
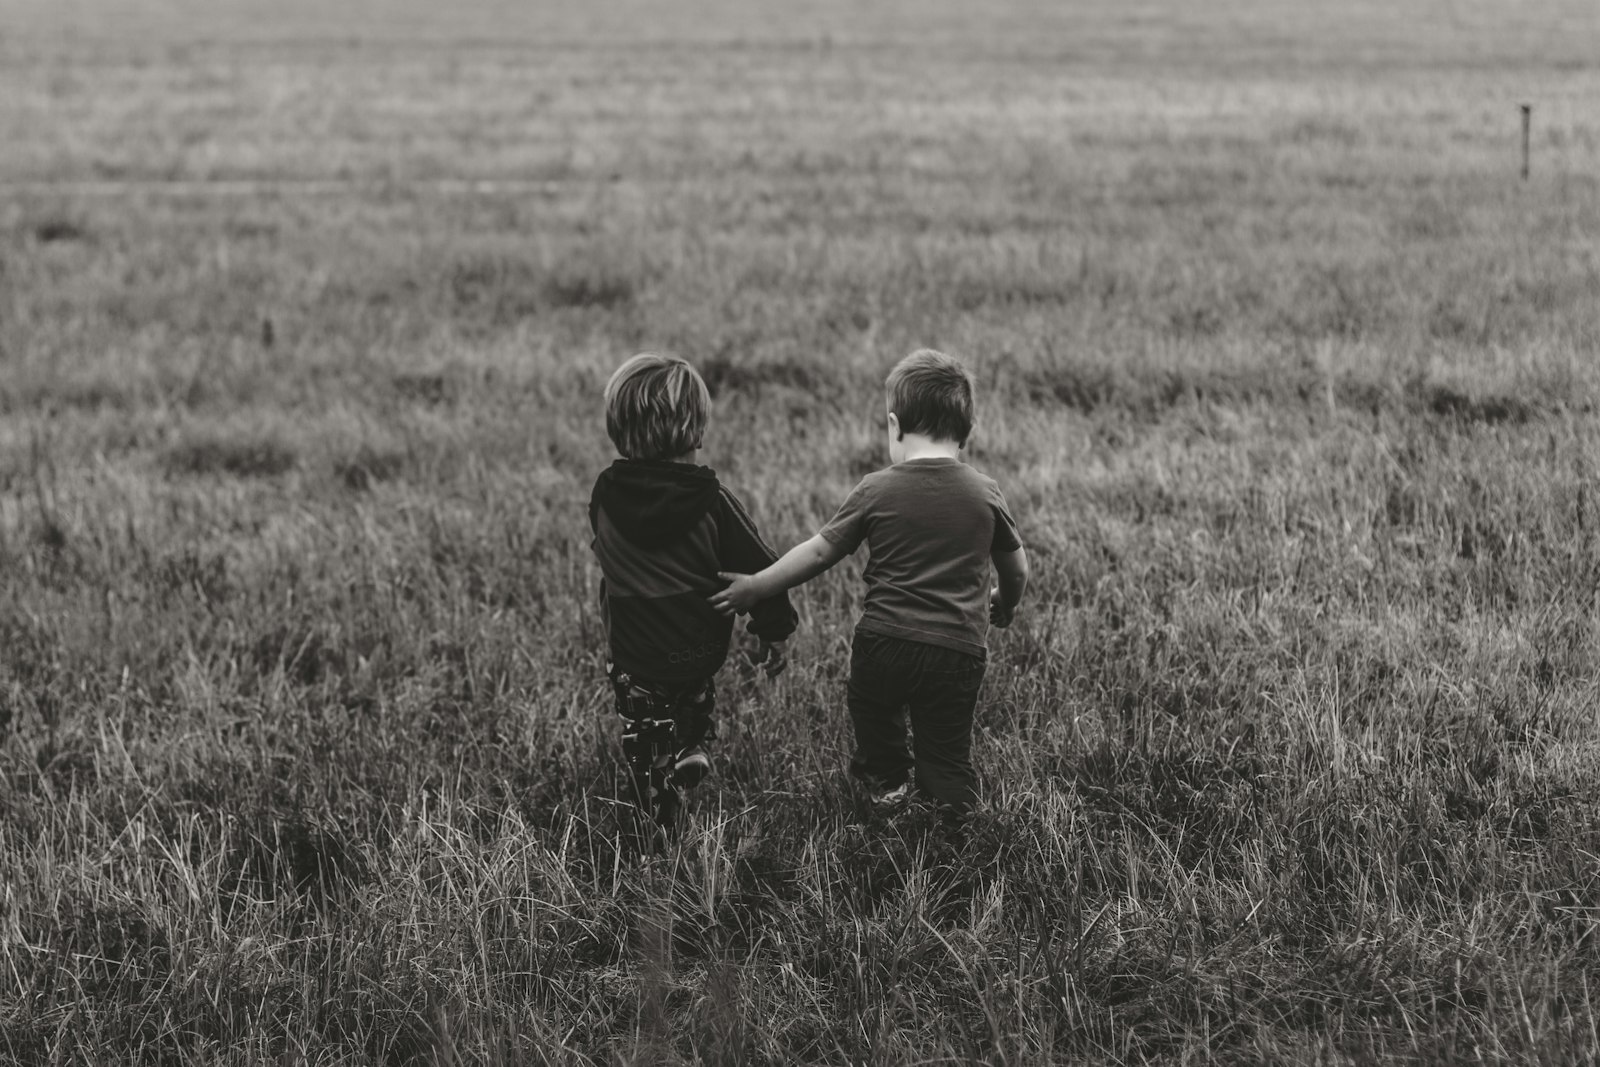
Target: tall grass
[1291, 756]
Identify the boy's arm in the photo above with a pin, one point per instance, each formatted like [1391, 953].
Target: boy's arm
[800, 564]
[1012, 570]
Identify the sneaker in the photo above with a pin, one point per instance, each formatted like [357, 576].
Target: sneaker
[890, 799]
[691, 768]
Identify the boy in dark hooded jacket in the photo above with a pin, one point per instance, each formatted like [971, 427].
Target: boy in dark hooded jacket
[663, 528]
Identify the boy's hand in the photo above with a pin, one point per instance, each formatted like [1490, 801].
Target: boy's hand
[739, 597]
[999, 614]
[768, 655]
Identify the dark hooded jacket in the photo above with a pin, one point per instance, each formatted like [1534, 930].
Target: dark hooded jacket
[662, 531]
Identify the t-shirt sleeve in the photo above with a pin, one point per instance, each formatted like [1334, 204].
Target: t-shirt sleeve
[1006, 536]
[848, 527]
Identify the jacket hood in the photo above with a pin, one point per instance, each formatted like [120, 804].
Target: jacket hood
[653, 502]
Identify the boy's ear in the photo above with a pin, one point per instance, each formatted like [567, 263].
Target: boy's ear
[894, 427]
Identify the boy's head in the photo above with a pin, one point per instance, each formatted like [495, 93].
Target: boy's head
[656, 407]
[930, 393]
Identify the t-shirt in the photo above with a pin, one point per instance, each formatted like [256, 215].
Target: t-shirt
[930, 526]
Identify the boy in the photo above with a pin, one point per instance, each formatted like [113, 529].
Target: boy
[932, 526]
[663, 528]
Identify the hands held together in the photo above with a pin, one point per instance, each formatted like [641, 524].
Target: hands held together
[742, 594]
[737, 599]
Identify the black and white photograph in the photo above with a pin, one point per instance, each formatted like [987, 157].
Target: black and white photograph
[746, 533]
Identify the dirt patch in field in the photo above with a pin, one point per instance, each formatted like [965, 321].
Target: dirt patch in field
[370, 466]
[261, 457]
[59, 229]
[1488, 410]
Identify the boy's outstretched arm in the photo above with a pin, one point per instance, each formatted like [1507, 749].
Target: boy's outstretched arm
[1012, 570]
[800, 564]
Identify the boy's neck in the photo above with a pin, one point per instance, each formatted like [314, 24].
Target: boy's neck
[690, 458]
[921, 446]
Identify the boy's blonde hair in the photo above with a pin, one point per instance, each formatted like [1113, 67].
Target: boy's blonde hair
[656, 407]
[931, 393]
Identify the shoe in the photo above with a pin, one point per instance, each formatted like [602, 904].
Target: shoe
[691, 768]
[890, 799]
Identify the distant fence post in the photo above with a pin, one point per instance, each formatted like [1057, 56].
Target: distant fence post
[1527, 121]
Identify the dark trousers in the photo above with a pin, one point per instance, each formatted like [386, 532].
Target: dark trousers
[889, 677]
[660, 721]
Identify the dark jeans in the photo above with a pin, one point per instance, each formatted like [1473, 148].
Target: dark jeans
[939, 687]
[660, 721]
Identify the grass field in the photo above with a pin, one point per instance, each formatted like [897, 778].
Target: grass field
[1291, 756]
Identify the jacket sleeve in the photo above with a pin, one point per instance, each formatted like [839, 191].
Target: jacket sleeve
[742, 550]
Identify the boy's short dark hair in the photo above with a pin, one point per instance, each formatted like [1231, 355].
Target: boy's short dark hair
[656, 407]
[931, 393]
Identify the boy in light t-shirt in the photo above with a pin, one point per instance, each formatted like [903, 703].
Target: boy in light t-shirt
[933, 526]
